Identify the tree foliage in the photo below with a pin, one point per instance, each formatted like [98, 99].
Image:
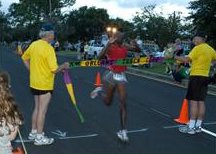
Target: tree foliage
[86, 22]
[155, 26]
[203, 16]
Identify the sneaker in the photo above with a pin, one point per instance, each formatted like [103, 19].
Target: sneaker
[122, 135]
[43, 140]
[186, 129]
[198, 129]
[95, 92]
[32, 136]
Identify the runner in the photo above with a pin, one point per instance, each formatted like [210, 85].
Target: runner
[115, 78]
[201, 58]
[40, 60]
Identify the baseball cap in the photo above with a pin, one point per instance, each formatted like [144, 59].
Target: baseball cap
[47, 27]
[201, 34]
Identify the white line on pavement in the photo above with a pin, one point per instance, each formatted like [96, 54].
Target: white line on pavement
[136, 131]
[75, 137]
[176, 126]
[161, 113]
[169, 127]
[64, 138]
[210, 123]
[164, 81]
[208, 132]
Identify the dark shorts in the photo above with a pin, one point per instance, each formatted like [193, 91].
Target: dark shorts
[40, 92]
[197, 88]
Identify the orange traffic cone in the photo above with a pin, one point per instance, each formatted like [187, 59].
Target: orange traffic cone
[183, 117]
[18, 151]
[98, 80]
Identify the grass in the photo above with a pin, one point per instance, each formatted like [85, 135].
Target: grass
[156, 68]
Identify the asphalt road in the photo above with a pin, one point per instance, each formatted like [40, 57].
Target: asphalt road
[152, 106]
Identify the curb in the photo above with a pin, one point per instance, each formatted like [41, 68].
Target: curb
[166, 79]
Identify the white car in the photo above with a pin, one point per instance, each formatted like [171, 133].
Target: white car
[94, 49]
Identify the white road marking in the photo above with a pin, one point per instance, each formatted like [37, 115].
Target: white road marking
[208, 132]
[136, 131]
[161, 113]
[63, 138]
[210, 123]
[176, 126]
[164, 81]
[77, 137]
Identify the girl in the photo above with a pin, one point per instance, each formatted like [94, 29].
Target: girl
[10, 116]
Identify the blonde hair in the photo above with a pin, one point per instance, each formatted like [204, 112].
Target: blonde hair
[9, 112]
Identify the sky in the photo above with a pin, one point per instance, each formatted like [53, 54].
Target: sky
[125, 9]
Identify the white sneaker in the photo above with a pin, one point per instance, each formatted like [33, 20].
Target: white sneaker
[32, 136]
[122, 135]
[187, 129]
[43, 140]
[198, 129]
[95, 92]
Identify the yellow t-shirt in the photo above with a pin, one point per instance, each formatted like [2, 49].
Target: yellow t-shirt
[201, 57]
[42, 62]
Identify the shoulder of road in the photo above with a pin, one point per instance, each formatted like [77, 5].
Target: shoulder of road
[164, 78]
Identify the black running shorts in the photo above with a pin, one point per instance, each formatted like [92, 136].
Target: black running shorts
[197, 88]
[40, 92]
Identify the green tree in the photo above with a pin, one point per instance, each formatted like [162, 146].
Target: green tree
[86, 23]
[150, 25]
[122, 25]
[203, 16]
[27, 16]
[4, 29]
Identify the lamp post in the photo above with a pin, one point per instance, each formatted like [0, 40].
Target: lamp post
[50, 7]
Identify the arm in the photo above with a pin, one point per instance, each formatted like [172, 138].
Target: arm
[104, 51]
[133, 46]
[182, 59]
[106, 48]
[13, 133]
[27, 64]
[61, 67]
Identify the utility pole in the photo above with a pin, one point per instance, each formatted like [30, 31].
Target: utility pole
[50, 8]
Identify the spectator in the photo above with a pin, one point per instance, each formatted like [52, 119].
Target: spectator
[10, 116]
[40, 60]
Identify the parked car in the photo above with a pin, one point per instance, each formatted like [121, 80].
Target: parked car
[94, 49]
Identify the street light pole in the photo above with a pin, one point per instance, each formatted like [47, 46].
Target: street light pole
[50, 7]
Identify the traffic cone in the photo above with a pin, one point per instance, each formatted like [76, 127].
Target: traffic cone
[183, 117]
[18, 151]
[98, 80]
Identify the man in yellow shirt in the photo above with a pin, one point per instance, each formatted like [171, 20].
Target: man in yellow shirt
[40, 60]
[200, 58]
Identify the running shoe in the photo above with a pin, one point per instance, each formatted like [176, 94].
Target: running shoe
[122, 135]
[32, 136]
[198, 129]
[95, 92]
[43, 140]
[187, 129]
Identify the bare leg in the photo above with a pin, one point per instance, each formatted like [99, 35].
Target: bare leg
[35, 113]
[201, 110]
[43, 106]
[122, 98]
[109, 92]
[193, 109]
